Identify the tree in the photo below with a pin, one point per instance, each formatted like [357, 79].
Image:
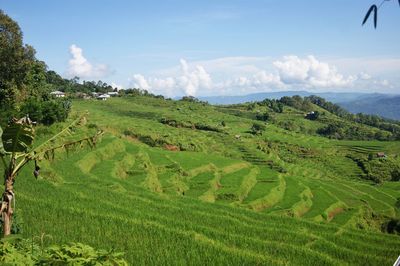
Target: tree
[15, 61]
[16, 153]
[374, 9]
[263, 117]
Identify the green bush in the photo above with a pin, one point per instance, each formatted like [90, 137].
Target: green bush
[257, 129]
[80, 254]
[46, 112]
[263, 117]
[17, 251]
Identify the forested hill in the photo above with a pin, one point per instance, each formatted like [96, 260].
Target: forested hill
[388, 107]
[385, 105]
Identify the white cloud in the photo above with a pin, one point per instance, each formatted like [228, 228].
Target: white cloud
[242, 75]
[79, 66]
[364, 76]
[310, 73]
[189, 81]
[139, 81]
[118, 86]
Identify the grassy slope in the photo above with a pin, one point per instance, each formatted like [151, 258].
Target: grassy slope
[156, 206]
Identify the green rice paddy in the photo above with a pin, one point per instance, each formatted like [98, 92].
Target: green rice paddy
[215, 200]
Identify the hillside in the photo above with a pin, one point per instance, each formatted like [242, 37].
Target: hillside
[335, 97]
[178, 182]
[386, 106]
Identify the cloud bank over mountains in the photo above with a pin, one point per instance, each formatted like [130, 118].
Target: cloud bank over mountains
[233, 76]
[244, 75]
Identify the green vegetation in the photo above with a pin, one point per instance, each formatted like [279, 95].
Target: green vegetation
[17, 251]
[290, 181]
[24, 84]
[232, 197]
[16, 152]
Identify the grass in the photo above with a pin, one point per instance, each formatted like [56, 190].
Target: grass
[219, 200]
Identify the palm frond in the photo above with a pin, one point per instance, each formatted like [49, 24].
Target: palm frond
[18, 136]
[49, 152]
[67, 131]
[374, 9]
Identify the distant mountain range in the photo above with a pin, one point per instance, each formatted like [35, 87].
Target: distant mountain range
[386, 105]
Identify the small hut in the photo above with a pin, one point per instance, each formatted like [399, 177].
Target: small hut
[381, 155]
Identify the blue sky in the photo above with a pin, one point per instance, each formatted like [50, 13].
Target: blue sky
[216, 47]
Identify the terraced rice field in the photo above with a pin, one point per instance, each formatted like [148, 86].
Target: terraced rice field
[228, 203]
[110, 209]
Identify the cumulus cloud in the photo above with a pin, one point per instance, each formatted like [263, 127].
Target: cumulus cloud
[243, 75]
[310, 73]
[189, 81]
[192, 81]
[118, 86]
[79, 66]
[139, 81]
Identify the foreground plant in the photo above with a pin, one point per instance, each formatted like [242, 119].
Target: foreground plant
[16, 152]
[18, 251]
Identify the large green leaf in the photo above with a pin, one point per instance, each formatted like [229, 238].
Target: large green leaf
[18, 136]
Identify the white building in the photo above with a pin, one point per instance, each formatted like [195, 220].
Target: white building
[112, 93]
[57, 94]
[103, 97]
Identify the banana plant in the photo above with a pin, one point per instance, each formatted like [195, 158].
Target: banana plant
[16, 151]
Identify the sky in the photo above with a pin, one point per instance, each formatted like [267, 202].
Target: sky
[216, 47]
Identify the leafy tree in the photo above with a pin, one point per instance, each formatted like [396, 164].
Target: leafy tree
[23, 78]
[46, 112]
[16, 152]
[331, 130]
[15, 61]
[33, 108]
[36, 81]
[297, 102]
[251, 106]
[263, 117]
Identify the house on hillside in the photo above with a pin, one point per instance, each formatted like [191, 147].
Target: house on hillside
[103, 97]
[82, 95]
[381, 155]
[112, 93]
[312, 115]
[57, 94]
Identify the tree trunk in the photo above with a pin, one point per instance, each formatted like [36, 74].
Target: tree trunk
[6, 206]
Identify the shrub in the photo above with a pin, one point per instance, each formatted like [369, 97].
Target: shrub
[18, 251]
[80, 254]
[33, 108]
[263, 117]
[257, 129]
[46, 112]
